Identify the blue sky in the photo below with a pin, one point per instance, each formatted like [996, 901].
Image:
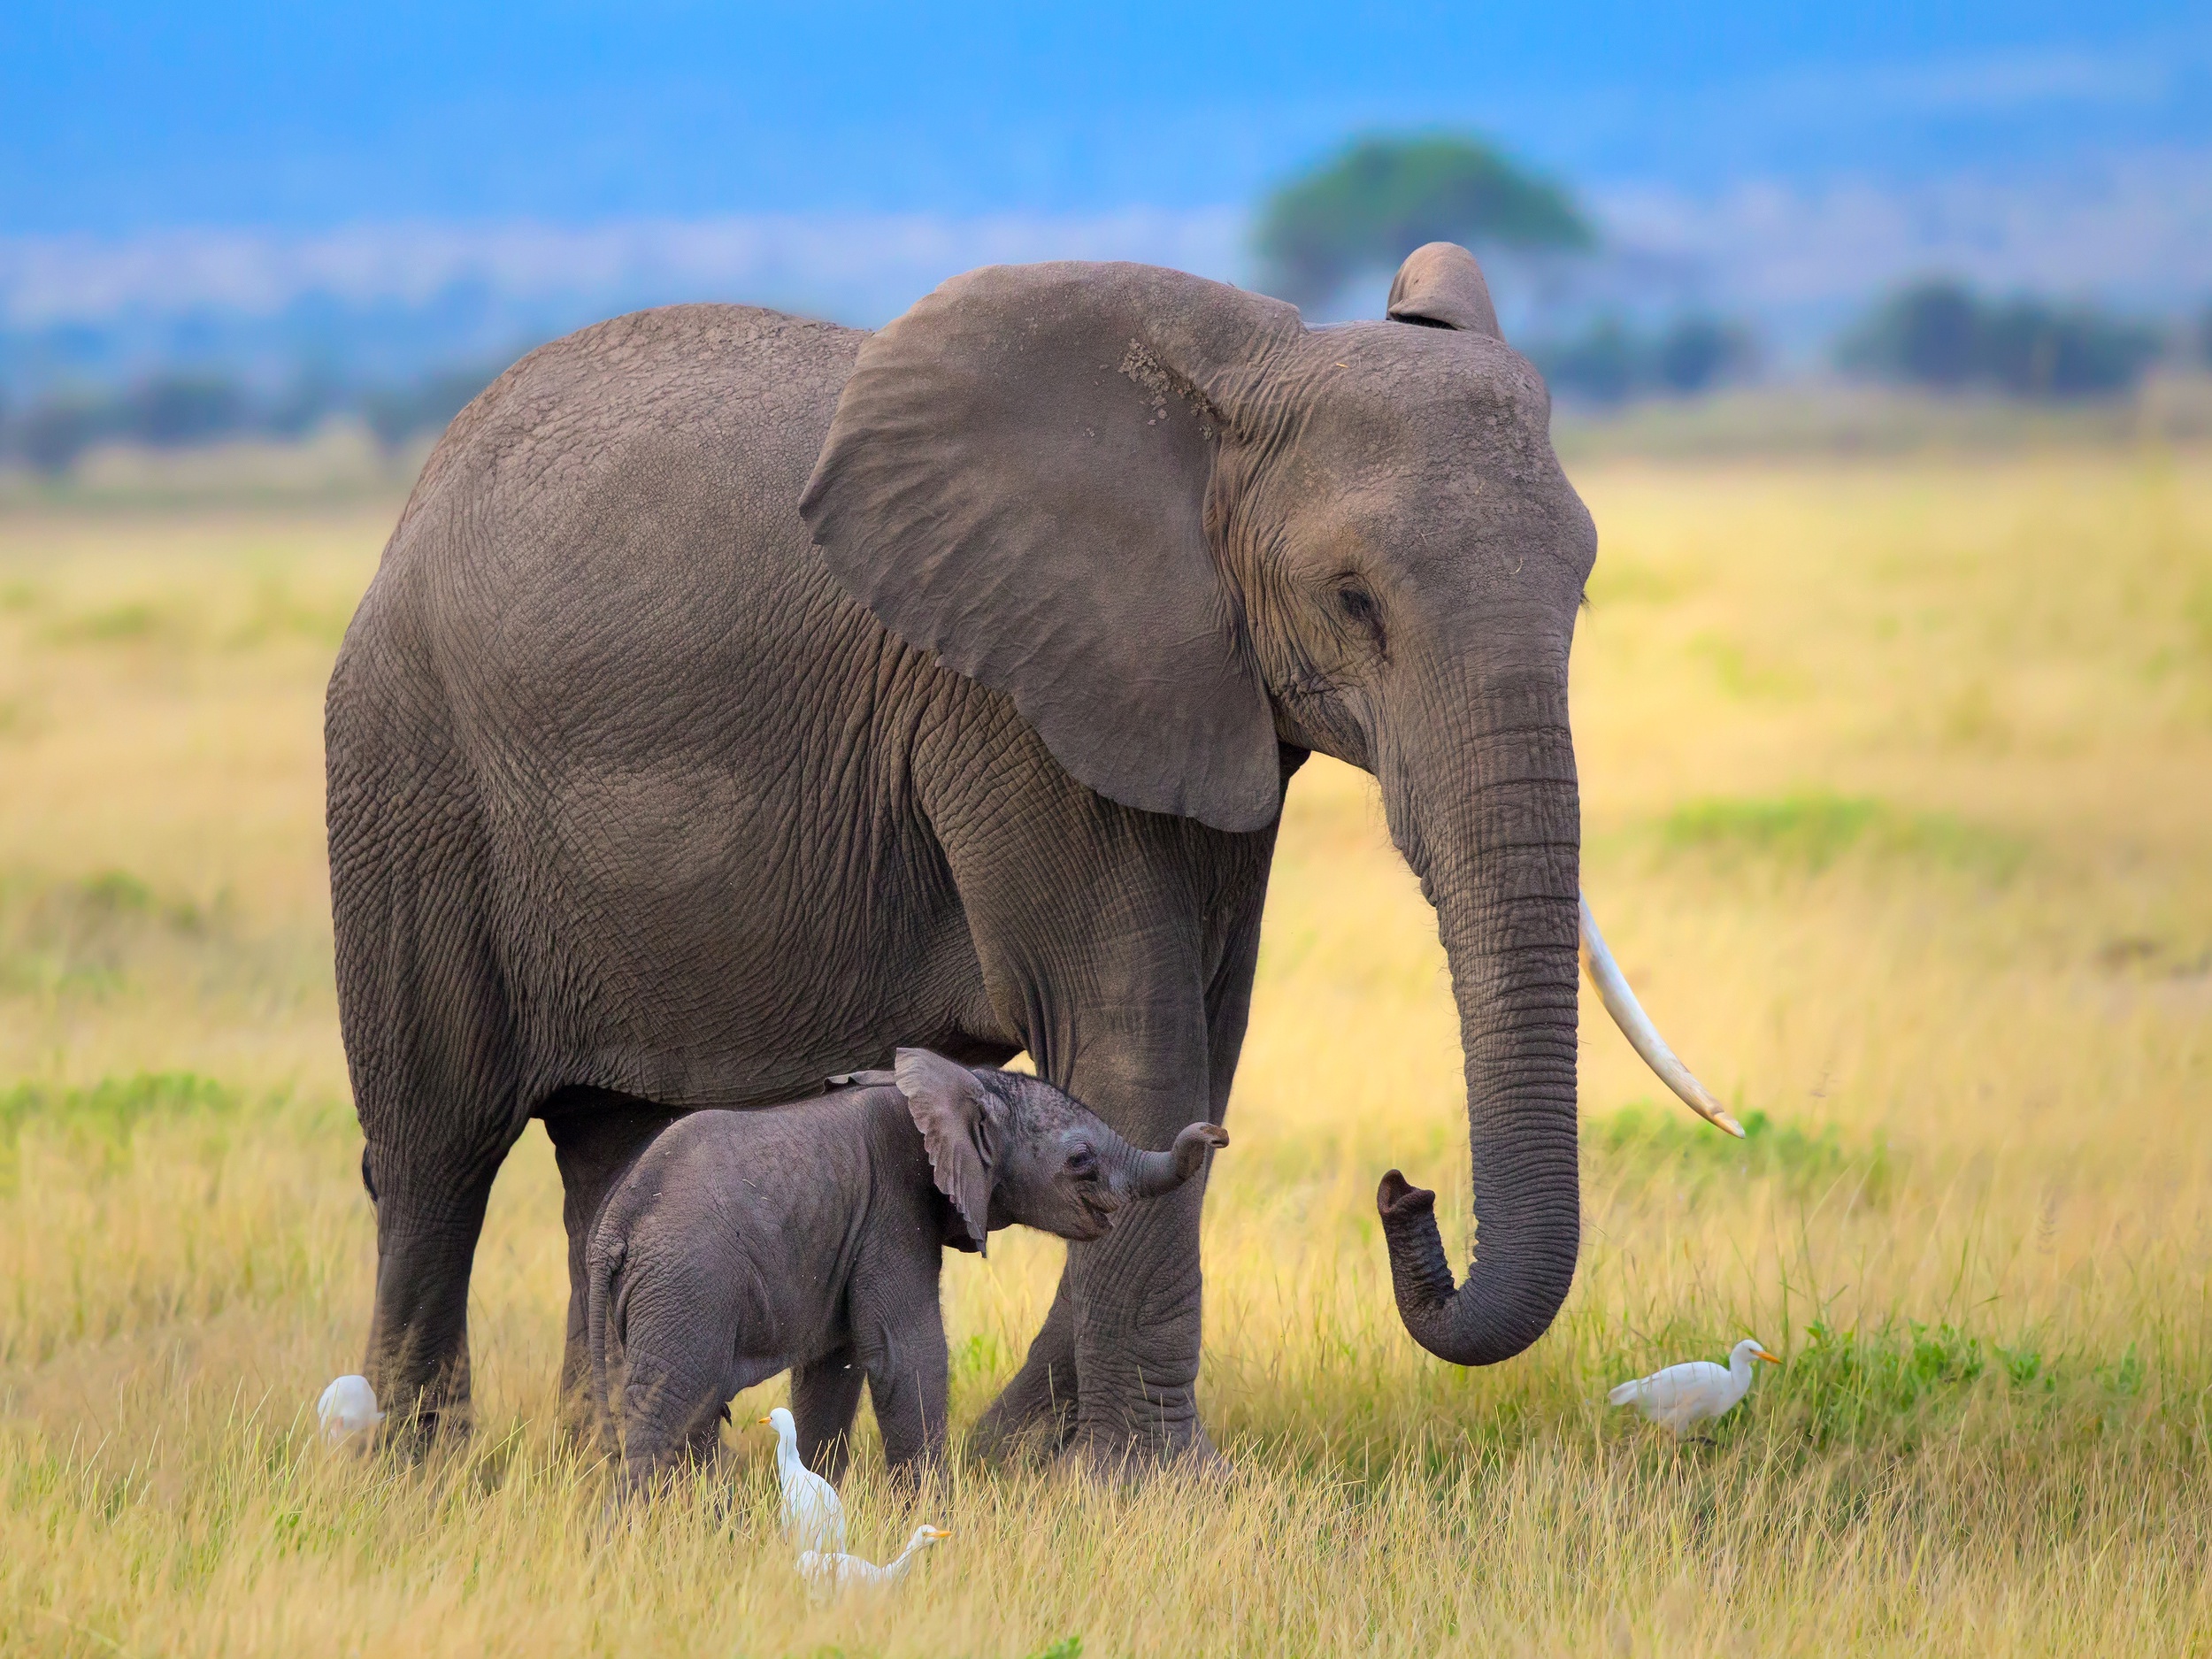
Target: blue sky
[118, 119]
[403, 184]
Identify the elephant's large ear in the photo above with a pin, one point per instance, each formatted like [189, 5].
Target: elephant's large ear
[1016, 479]
[1441, 285]
[951, 1111]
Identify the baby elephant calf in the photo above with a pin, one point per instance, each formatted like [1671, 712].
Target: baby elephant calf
[809, 1237]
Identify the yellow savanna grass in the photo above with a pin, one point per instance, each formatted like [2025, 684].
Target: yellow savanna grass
[1898, 779]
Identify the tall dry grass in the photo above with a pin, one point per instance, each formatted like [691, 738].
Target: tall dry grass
[1898, 779]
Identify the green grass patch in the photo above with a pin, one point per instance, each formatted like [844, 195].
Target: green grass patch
[1644, 1143]
[79, 936]
[128, 623]
[1811, 830]
[1852, 1387]
[115, 1105]
[99, 1119]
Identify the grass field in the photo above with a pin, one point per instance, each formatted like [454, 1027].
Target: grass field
[1898, 782]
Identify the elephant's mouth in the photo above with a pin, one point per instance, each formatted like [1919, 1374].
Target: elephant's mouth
[1099, 1211]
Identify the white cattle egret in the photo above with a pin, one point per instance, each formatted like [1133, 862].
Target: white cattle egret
[348, 1408]
[1696, 1392]
[830, 1574]
[813, 1515]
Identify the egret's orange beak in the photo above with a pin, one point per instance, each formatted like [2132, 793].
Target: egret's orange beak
[1757, 1353]
[763, 1422]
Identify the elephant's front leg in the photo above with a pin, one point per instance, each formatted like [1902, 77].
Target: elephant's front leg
[1119, 947]
[1135, 1297]
[1116, 1363]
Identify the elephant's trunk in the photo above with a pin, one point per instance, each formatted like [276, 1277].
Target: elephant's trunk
[1501, 867]
[1155, 1174]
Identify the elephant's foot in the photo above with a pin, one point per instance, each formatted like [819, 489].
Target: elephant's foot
[434, 1418]
[426, 1396]
[1110, 1431]
[1136, 1430]
[1033, 1416]
[1129, 1457]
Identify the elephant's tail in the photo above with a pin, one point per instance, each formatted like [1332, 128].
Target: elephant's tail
[604, 1261]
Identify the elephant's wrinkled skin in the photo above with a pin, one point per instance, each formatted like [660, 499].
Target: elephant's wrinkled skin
[741, 697]
[809, 1238]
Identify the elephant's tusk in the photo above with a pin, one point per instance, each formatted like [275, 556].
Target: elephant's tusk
[1642, 1035]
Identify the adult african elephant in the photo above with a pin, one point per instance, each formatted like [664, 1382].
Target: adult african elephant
[740, 698]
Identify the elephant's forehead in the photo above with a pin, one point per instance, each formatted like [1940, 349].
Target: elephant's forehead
[1431, 450]
[1442, 516]
[1424, 386]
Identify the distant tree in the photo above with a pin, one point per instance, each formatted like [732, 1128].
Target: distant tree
[1380, 197]
[172, 410]
[1611, 360]
[1926, 332]
[314, 393]
[1604, 364]
[2035, 351]
[1939, 334]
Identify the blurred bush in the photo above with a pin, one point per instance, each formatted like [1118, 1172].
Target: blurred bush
[1612, 360]
[1939, 334]
[184, 409]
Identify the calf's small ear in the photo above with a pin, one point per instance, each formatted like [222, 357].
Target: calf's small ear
[952, 1112]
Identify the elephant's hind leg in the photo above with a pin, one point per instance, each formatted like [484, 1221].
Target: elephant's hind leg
[673, 1403]
[429, 1042]
[435, 1144]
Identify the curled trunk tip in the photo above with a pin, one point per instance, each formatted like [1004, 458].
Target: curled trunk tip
[1418, 1272]
[1470, 1323]
[1161, 1172]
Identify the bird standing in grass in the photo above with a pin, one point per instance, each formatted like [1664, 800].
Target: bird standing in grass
[348, 1408]
[1696, 1392]
[813, 1515]
[830, 1574]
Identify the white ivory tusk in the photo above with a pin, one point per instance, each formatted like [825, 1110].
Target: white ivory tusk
[1642, 1035]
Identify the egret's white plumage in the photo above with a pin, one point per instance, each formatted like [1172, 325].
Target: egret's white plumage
[1693, 1393]
[832, 1574]
[348, 1408]
[813, 1515]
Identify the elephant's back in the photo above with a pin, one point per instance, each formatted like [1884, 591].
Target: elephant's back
[703, 372]
[792, 1174]
[717, 410]
[614, 517]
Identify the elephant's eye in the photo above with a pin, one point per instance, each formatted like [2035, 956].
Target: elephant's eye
[1082, 1163]
[1359, 609]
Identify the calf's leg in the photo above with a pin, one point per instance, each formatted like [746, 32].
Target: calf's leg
[824, 1399]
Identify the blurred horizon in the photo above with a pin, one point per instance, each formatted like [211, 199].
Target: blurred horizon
[401, 186]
